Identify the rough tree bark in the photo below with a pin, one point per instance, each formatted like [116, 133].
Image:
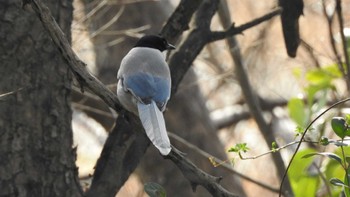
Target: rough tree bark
[36, 155]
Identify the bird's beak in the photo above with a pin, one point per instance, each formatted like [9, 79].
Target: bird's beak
[170, 47]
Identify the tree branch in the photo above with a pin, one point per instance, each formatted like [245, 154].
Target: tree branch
[266, 105]
[302, 138]
[330, 19]
[179, 20]
[104, 178]
[250, 95]
[221, 163]
[123, 142]
[196, 176]
[192, 45]
[232, 30]
[75, 64]
[343, 40]
[201, 35]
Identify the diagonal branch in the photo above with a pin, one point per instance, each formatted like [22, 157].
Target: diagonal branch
[123, 142]
[75, 64]
[201, 35]
[223, 164]
[179, 20]
[197, 176]
[232, 30]
[193, 44]
[103, 177]
[250, 95]
[343, 40]
[330, 19]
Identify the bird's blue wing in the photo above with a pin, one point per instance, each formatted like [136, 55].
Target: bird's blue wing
[148, 87]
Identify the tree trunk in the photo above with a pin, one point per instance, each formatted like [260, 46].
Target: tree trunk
[36, 155]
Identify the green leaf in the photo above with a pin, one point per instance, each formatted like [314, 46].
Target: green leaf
[311, 91]
[154, 190]
[296, 109]
[318, 77]
[339, 126]
[329, 155]
[274, 146]
[322, 77]
[347, 119]
[302, 182]
[332, 169]
[239, 147]
[337, 182]
[333, 71]
[299, 130]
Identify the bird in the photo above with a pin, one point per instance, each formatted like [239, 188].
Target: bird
[144, 87]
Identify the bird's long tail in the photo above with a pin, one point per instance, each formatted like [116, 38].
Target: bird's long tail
[153, 122]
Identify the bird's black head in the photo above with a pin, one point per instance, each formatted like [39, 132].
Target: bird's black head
[155, 42]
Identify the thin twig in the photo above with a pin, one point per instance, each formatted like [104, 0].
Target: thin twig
[303, 135]
[134, 32]
[330, 19]
[249, 94]
[75, 64]
[344, 43]
[109, 23]
[221, 162]
[232, 30]
[311, 51]
[92, 12]
[9, 93]
[274, 150]
[192, 46]
[196, 176]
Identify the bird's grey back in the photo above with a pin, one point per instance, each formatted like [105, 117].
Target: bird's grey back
[142, 59]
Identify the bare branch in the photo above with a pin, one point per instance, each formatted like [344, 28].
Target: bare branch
[183, 57]
[130, 147]
[4, 95]
[179, 20]
[344, 43]
[75, 64]
[266, 105]
[196, 176]
[330, 19]
[223, 164]
[108, 23]
[201, 35]
[232, 30]
[125, 141]
[303, 136]
[250, 95]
